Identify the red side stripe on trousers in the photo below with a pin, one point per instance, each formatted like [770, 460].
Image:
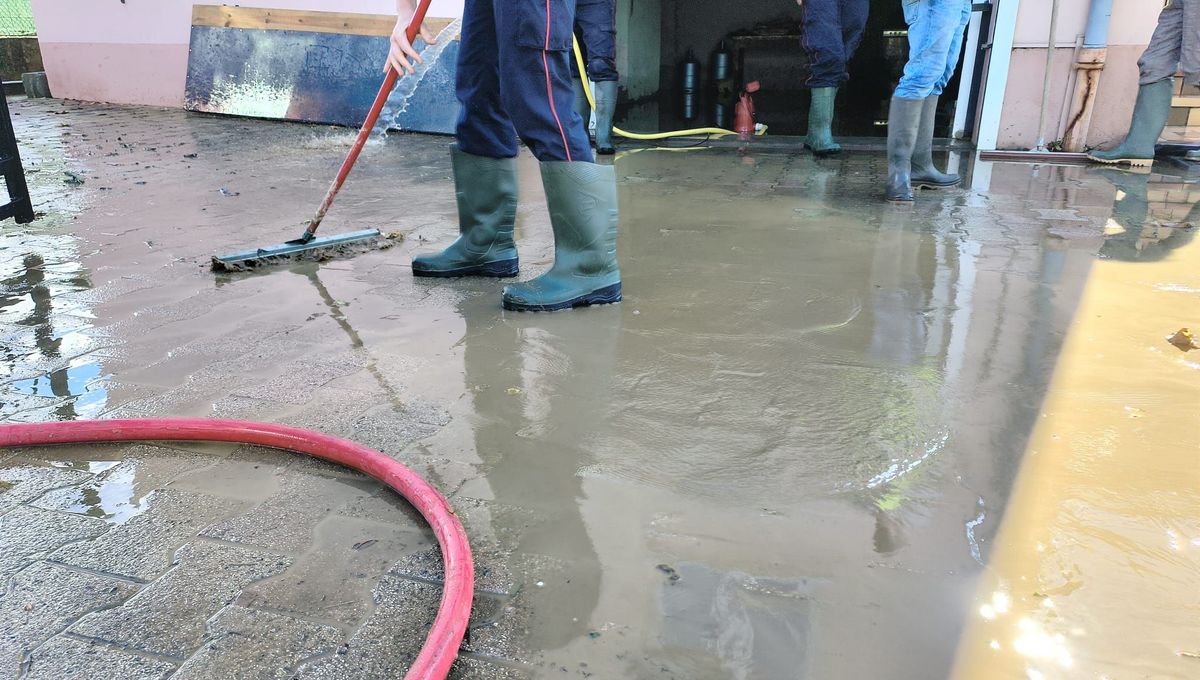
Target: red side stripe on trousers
[550, 87]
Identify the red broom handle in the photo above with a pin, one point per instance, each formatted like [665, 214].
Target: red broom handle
[385, 90]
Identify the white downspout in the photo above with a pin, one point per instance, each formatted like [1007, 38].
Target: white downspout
[997, 74]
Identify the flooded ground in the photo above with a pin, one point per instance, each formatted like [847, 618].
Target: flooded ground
[786, 454]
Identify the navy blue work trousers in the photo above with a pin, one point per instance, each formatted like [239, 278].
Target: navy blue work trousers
[831, 32]
[596, 26]
[514, 80]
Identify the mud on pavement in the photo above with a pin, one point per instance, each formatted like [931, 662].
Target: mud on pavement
[785, 454]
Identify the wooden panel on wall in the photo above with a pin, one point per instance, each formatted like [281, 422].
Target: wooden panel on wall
[318, 67]
[227, 16]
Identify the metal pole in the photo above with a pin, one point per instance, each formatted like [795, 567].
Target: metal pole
[1051, 48]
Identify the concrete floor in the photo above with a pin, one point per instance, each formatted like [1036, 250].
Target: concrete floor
[785, 454]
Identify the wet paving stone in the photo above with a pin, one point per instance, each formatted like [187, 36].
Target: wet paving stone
[469, 668]
[23, 483]
[298, 381]
[30, 534]
[42, 601]
[168, 616]
[287, 521]
[390, 428]
[246, 643]
[334, 411]
[332, 580]
[379, 650]
[144, 546]
[68, 658]
[800, 380]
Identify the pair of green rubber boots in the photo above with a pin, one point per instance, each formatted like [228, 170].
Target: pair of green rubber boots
[582, 198]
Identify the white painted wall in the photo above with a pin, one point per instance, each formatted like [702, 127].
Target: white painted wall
[1132, 22]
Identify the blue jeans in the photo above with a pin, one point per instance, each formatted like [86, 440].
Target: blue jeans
[832, 30]
[935, 39]
[514, 75]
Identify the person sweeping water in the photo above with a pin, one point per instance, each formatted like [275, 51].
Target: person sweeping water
[514, 82]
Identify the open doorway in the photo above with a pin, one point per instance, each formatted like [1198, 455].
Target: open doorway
[761, 40]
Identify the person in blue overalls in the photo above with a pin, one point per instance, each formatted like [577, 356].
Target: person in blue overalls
[832, 31]
[514, 81]
[596, 28]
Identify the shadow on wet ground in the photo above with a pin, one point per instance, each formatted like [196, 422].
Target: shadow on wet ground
[785, 454]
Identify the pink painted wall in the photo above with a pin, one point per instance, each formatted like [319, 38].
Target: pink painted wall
[136, 52]
[1023, 97]
[1132, 23]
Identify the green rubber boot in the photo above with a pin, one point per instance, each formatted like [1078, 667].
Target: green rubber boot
[581, 105]
[486, 189]
[606, 105]
[1150, 114]
[582, 198]
[904, 121]
[820, 123]
[924, 175]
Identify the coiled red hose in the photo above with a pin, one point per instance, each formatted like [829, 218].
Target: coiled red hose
[442, 643]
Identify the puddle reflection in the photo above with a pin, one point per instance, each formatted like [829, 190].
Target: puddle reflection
[109, 495]
[48, 366]
[1153, 213]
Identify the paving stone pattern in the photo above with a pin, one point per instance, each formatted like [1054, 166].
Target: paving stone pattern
[193, 562]
[198, 586]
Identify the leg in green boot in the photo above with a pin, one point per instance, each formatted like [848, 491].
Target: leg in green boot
[487, 209]
[1150, 113]
[924, 175]
[820, 123]
[582, 198]
[582, 107]
[904, 121]
[606, 105]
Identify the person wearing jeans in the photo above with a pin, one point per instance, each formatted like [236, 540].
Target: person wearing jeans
[1174, 46]
[935, 39]
[832, 30]
[514, 81]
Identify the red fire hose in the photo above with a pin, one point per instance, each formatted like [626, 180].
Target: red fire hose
[441, 645]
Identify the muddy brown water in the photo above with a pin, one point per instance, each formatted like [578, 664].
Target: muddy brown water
[784, 455]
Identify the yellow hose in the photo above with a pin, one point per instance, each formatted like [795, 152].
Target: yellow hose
[587, 91]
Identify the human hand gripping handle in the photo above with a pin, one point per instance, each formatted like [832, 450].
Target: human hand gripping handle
[408, 26]
[403, 34]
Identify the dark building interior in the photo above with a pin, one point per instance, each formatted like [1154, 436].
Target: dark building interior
[760, 40]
